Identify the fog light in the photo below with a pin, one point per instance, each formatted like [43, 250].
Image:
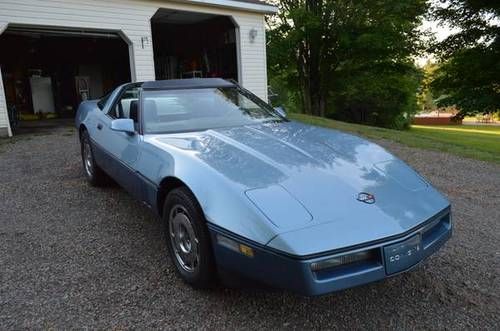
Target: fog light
[342, 260]
[234, 246]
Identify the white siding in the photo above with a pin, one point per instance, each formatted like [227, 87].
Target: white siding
[132, 19]
[4, 120]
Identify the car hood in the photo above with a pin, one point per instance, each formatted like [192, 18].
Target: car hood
[306, 181]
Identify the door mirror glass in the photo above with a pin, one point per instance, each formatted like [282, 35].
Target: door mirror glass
[281, 111]
[123, 125]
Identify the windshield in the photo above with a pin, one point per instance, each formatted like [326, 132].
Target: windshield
[169, 111]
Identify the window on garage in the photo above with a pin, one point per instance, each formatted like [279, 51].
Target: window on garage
[48, 72]
[190, 45]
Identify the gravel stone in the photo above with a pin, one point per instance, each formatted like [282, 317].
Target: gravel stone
[74, 256]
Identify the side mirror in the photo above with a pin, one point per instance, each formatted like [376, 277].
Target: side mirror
[281, 111]
[123, 125]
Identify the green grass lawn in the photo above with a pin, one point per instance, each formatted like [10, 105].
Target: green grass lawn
[473, 141]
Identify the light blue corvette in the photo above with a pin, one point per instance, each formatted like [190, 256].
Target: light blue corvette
[242, 189]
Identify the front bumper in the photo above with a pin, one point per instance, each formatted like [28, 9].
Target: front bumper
[294, 273]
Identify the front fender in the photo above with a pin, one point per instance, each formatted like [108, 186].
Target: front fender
[224, 202]
[83, 112]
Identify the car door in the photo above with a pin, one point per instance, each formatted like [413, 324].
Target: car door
[121, 149]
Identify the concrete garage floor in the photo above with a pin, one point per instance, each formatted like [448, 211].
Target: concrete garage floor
[75, 256]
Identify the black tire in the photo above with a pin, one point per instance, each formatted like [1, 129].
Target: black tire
[181, 206]
[94, 175]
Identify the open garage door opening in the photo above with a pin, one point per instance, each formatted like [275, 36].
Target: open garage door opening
[194, 45]
[47, 72]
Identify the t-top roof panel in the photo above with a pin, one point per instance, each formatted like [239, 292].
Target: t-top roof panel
[184, 84]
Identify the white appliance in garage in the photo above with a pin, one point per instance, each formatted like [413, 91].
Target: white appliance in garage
[41, 95]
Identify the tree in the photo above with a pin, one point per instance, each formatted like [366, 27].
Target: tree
[349, 59]
[300, 50]
[469, 72]
[426, 99]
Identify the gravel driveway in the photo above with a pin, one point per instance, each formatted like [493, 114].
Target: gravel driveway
[76, 256]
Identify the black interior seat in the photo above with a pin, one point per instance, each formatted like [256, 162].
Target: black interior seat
[133, 111]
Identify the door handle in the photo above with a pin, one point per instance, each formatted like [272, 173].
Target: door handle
[99, 126]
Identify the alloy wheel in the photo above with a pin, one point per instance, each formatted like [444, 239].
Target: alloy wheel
[87, 159]
[183, 239]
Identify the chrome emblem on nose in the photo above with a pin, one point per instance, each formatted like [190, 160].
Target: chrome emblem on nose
[366, 198]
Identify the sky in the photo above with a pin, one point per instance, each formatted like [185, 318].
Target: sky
[440, 32]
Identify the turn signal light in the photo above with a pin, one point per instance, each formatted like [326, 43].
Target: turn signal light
[245, 250]
[235, 246]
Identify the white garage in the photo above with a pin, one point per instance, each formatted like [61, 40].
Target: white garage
[55, 53]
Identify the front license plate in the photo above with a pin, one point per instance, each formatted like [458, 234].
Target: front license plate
[402, 255]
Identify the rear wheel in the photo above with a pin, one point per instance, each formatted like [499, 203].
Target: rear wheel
[95, 176]
[188, 239]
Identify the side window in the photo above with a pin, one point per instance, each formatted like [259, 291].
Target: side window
[103, 101]
[127, 105]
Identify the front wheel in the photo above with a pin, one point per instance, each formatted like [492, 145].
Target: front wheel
[95, 176]
[188, 239]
